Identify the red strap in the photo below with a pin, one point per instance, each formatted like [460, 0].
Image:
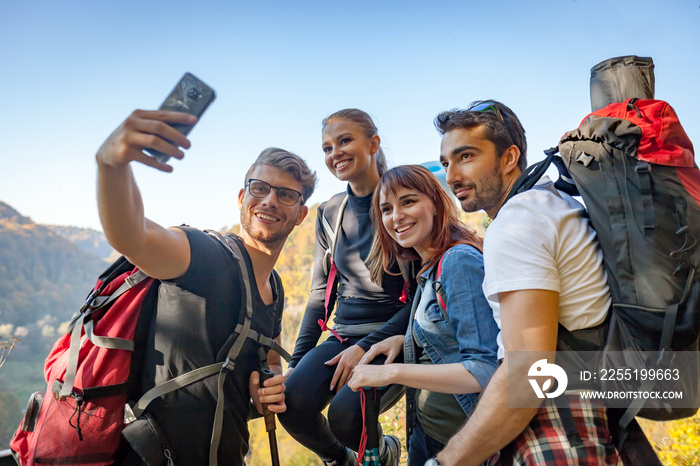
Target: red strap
[330, 286]
[363, 438]
[437, 278]
[362, 449]
[404, 292]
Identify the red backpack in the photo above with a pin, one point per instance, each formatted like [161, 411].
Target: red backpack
[92, 371]
[80, 419]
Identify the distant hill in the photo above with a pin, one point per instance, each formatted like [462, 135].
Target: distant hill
[41, 273]
[88, 240]
[10, 215]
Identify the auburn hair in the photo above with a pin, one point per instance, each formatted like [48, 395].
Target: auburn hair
[447, 231]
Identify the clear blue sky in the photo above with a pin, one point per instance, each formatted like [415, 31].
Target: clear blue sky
[71, 71]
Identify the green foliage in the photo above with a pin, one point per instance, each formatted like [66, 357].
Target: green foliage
[10, 416]
[24, 376]
[394, 423]
[41, 273]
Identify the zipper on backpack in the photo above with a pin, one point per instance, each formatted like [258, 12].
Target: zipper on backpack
[638, 307]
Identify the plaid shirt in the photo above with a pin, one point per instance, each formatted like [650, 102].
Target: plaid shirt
[544, 441]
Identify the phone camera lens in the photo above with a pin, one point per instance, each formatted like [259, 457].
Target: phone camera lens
[194, 94]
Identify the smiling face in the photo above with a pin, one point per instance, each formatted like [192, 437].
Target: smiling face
[349, 152]
[265, 219]
[474, 170]
[408, 216]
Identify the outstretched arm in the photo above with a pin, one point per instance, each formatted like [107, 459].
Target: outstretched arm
[444, 378]
[159, 252]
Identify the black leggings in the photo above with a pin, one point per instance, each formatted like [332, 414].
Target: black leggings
[308, 393]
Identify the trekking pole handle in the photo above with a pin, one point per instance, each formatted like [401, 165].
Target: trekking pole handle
[265, 374]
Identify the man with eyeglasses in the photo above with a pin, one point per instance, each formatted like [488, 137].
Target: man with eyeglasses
[542, 269]
[205, 273]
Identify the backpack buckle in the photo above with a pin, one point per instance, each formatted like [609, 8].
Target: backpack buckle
[228, 365]
[666, 357]
[129, 415]
[642, 167]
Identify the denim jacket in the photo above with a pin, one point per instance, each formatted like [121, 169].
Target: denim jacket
[467, 332]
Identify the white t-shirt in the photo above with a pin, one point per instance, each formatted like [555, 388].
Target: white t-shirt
[540, 240]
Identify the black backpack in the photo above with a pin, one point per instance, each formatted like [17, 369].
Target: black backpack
[632, 163]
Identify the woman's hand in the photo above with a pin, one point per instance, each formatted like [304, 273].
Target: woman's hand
[371, 375]
[346, 361]
[391, 347]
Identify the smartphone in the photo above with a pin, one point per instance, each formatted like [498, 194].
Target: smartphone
[191, 96]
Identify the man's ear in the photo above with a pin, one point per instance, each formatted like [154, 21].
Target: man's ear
[303, 211]
[241, 195]
[509, 159]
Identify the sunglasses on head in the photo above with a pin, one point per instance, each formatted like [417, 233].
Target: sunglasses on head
[486, 107]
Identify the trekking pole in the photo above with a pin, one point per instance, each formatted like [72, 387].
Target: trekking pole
[265, 374]
[368, 454]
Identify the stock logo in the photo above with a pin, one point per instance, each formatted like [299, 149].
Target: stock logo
[542, 368]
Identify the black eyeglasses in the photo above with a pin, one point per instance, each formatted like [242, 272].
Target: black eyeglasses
[260, 189]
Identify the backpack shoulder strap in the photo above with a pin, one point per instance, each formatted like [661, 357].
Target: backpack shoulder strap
[277, 285]
[241, 330]
[439, 290]
[534, 172]
[83, 320]
[329, 267]
[334, 207]
[207, 371]
[244, 329]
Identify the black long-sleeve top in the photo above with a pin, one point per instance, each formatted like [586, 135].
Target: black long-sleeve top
[359, 299]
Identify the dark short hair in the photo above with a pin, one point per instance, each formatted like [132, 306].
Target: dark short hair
[502, 132]
[288, 162]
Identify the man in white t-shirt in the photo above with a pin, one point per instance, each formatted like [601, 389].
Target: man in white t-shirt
[542, 268]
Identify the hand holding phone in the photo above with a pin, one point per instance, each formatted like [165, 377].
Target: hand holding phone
[190, 95]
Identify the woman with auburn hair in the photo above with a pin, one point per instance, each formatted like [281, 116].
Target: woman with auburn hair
[365, 312]
[450, 346]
